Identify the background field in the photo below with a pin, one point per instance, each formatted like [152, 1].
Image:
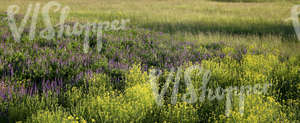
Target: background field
[197, 20]
[243, 42]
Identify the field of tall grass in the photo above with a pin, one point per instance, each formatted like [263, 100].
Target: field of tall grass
[244, 44]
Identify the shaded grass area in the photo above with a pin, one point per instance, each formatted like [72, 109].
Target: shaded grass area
[260, 29]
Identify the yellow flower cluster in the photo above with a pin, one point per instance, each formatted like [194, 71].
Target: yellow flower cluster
[136, 76]
[257, 108]
[46, 116]
[181, 112]
[118, 107]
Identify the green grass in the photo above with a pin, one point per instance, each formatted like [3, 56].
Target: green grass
[187, 17]
[256, 0]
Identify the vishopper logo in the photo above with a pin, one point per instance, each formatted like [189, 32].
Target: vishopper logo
[63, 29]
[295, 13]
[205, 93]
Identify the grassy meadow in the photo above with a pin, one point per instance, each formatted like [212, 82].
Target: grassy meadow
[243, 43]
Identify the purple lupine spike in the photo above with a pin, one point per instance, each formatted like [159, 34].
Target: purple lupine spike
[204, 56]
[22, 91]
[46, 94]
[51, 85]
[55, 84]
[208, 55]
[2, 91]
[98, 70]
[44, 86]
[48, 85]
[59, 82]
[29, 90]
[23, 70]
[57, 90]
[35, 90]
[245, 51]
[78, 77]
[110, 62]
[222, 55]
[9, 92]
[11, 72]
[2, 95]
